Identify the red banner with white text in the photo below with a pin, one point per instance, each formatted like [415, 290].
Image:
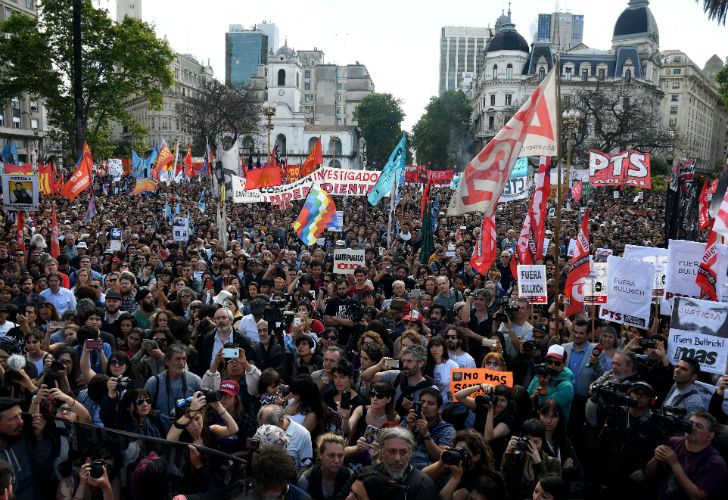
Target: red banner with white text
[630, 168]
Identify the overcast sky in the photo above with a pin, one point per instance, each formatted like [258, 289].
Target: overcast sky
[398, 40]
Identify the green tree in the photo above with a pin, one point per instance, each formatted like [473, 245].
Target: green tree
[120, 61]
[722, 79]
[716, 9]
[441, 136]
[379, 117]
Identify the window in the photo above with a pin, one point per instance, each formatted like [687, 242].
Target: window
[509, 99]
[309, 97]
[673, 122]
[307, 86]
[625, 103]
[676, 71]
[2, 118]
[673, 110]
[34, 123]
[676, 59]
[338, 110]
[585, 74]
[675, 85]
[602, 74]
[281, 77]
[307, 73]
[491, 122]
[567, 73]
[492, 99]
[541, 74]
[33, 105]
[674, 98]
[339, 86]
[509, 71]
[495, 72]
[151, 125]
[628, 75]
[8, 13]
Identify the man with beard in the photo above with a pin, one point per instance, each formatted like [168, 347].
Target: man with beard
[129, 303]
[456, 348]
[337, 312]
[146, 310]
[29, 454]
[111, 315]
[430, 431]
[269, 352]
[395, 452]
[209, 345]
[437, 323]
[173, 383]
[26, 293]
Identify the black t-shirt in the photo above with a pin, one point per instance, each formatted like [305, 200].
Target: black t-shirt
[483, 328]
[337, 307]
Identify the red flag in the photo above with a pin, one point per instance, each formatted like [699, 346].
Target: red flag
[576, 191]
[425, 197]
[263, 177]
[707, 275]
[24, 169]
[188, 162]
[19, 230]
[486, 251]
[45, 179]
[81, 178]
[580, 268]
[164, 158]
[706, 194]
[539, 202]
[315, 158]
[55, 245]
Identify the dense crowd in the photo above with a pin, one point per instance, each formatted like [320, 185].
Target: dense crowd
[329, 385]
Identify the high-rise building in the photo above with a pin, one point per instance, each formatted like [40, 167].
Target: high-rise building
[128, 8]
[271, 30]
[564, 29]
[461, 55]
[694, 110]
[244, 51]
[23, 121]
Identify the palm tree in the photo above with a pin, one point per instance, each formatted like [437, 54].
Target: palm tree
[716, 9]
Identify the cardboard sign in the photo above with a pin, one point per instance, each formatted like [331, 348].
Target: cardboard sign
[181, 229]
[532, 283]
[346, 260]
[115, 239]
[631, 168]
[629, 292]
[698, 330]
[20, 192]
[595, 286]
[462, 378]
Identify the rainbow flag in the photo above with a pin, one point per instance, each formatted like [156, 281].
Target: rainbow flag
[144, 185]
[317, 214]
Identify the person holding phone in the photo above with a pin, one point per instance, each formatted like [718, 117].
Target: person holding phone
[365, 422]
[341, 399]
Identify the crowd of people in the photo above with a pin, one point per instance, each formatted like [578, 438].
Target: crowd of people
[332, 386]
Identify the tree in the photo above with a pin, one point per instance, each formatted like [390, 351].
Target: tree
[716, 9]
[722, 79]
[441, 137]
[216, 110]
[120, 60]
[379, 117]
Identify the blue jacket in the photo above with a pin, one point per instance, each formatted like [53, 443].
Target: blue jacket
[560, 389]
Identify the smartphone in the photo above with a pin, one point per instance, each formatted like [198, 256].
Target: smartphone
[391, 364]
[371, 434]
[230, 352]
[297, 321]
[417, 407]
[490, 343]
[345, 400]
[93, 344]
[209, 284]
[56, 325]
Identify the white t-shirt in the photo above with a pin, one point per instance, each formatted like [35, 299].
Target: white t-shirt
[299, 444]
[463, 360]
[523, 332]
[441, 374]
[6, 327]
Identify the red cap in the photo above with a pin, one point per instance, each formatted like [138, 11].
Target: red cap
[230, 387]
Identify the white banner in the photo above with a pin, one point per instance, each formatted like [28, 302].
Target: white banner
[347, 260]
[595, 286]
[181, 229]
[532, 283]
[115, 168]
[516, 188]
[699, 330]
[115, 239]
[652, 255]
[629, 292]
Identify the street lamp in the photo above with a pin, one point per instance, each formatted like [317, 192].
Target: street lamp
[269, 110]
[571, 119]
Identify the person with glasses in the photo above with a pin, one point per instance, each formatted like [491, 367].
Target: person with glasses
[366, 421]
[554, 382]
[66, 407]
[133, 413]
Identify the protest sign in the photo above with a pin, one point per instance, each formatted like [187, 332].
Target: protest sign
[462, 378]
[115, 168]
[347, 260]
[698, 330]
[602, 253]
[20, 192]
[631, 168]
[181, 229]
[338, 222]
[652, 255]
[516, 188]
[629, 292]
[532, 283]
[572, 248]
[115, 239]
[595, 286]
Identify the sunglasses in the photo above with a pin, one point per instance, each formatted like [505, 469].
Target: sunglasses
[452, 337]
[378, 395]
[331, 337]
[65, 410]
[117, 362]
[553, 362]
[142, 401]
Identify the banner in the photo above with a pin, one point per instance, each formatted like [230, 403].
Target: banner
[115, 168]
[338, 226]
[699, 330]
[20, 192]
[115, 239]
[347, 260]
[462, 378]
[595, 286]
[181, 229]
[629, 292]
[631, 168]
[651, 255]
[532, 283]
[516, 187]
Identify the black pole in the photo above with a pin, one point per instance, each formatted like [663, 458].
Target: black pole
[77, 79]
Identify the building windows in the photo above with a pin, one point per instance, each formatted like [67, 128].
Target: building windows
[602, 74]
[491, 122]
[2, 118]
[33, 105]
[676, 59]
[151, 123]
[8, 13]
[492, 99]
[339, 86]
[584, 74]
[676, 71]
[307, 73]
[495, 72]
[281, 77]
[309, 97]
[307, 86]
[567, 73]
[34, 123]
[541, 74]
[625, 103]
[673, 110]
[674, 98]
[509, 99]
[628, 75]
[509, 71]
[673, 123]
[675, 85]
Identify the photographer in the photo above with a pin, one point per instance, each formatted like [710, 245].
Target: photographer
[430, 431]
[525, 462]
[689, 467]
[553, 381]
[174, 383]
[627, 441]
[466, 461]
[514, 326]
[655, 368]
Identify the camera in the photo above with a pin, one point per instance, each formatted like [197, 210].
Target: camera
[529, 346]
[184, 402]
[211, 396]
[355, 310]
[455, 456]
[98, 467]
[648, 343]
[668, 421]
[611, 396]
[482, 400]
[57, 366]
[417, 407]
[150, 344]
[123, 384]
[522, 444]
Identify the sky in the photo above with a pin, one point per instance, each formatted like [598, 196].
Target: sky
[398, 40]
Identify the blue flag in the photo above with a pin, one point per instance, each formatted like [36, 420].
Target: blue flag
[167, 212]
[10, 154]
[147, 164]
[395, 166]
[201, 203]
[176, 209]
[137, 165]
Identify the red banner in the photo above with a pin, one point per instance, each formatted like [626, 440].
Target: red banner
[418, 174]
[293, 173]
[24, 169]
[631, 168]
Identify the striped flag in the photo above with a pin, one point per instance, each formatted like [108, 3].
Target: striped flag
[55, 244]
[144, 186]
[91, 210]
[707, 277]
[317, 215]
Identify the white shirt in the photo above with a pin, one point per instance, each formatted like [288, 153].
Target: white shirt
[219, 343]
[463, 360]
[248, 327]
[299, 444]
[441, 374]
[6, 327]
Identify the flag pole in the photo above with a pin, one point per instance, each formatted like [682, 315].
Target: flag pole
[557, 226]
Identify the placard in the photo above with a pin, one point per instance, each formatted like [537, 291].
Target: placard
[595, 286]
[630, 168]
[652, 255]
[698, 330]
[338, 226]
[181, 229]
[346, 260]
[20, 192]
[115, 168]
[115, 239]
[462, 378]
[572, 248]
[629, 292]
[532, 283]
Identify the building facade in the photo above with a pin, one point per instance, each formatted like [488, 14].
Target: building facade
[128, 8]
[244, 51]
[165, 124]
[563, 29]
[23, 120]
[461, 56]
[693, 110]
[271, 31]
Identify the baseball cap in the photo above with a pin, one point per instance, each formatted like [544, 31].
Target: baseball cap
[81, 244]
[113, 294]
[141, 293]
[541, 328]
[556, 351]
[642, 386]
[230, 387]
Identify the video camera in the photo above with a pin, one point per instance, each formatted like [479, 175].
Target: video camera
[455, 456]
[355, 310]
[668, 421]
[612, 395]
[506, 308]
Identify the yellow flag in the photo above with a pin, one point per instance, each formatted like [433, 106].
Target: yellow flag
[222, 193]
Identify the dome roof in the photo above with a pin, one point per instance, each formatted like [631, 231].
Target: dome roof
[285, 51]
[508, 39]
[636, 20]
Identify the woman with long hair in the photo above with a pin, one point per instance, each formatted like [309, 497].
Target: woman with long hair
[370, 354]
[557, 444]
[366, 421]
[610, 345]
[342, 400]
[439, 364]
[306, 407]
[133, 413]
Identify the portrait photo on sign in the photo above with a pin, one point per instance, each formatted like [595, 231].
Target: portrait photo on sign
[20, 192]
